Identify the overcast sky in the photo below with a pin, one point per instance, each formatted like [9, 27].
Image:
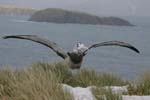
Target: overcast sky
[99, 7]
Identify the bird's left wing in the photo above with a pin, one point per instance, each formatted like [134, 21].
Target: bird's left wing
[113, 43]
[45, 42]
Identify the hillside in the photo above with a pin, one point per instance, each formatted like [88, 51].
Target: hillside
[56, 15]
[12, 9]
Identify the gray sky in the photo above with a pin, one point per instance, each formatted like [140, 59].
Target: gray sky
[99, 7]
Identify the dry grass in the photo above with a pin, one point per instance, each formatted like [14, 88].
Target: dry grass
[141, 86]
[42, 81]
[35, 83]
[103, 94]
[86, 77]
[82, 77]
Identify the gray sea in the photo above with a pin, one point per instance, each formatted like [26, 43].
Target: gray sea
[118, 60]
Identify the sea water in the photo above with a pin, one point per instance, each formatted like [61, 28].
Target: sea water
[118, 60]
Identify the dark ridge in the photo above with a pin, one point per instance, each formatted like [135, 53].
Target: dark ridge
[55, 15]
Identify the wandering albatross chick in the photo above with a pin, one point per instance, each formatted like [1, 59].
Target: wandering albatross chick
[74, 58]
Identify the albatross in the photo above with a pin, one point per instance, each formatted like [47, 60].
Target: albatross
[74, 58]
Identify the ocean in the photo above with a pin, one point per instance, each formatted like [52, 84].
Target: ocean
[113, 59]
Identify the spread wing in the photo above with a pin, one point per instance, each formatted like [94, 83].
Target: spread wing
[113, 43]
[45, 42]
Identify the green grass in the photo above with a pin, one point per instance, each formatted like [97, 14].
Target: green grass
[42, 81]
[85, 77]
[103, 94]
[141, 86]
[35, 83]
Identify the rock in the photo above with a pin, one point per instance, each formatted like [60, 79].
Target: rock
[80, 93]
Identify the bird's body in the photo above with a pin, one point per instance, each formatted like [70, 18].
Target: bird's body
[69, 62]
[74, 58]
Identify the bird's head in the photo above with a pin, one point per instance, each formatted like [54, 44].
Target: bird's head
[79, 48]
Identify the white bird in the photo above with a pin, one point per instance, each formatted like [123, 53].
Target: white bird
[74, 58]
[79, 47]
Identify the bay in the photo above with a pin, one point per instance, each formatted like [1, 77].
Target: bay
[118, 60]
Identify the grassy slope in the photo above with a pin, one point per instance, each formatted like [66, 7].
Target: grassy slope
[41, 81]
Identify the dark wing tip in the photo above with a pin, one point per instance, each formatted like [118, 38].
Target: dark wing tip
[17, 36]
[135, 49]
[5, 37]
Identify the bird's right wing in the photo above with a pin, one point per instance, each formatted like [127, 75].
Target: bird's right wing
[45, 42]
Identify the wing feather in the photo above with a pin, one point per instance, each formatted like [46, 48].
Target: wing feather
[42, 41]
[114, 43]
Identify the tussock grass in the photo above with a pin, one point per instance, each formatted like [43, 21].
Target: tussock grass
[62, 72]
[86, 77]
[103, 94]
[35, 83]
[83, 77]
[141, 86]
[42, 81]
[6, 82]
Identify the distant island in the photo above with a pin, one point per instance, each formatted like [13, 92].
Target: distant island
[15, 10]
[56, 15]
